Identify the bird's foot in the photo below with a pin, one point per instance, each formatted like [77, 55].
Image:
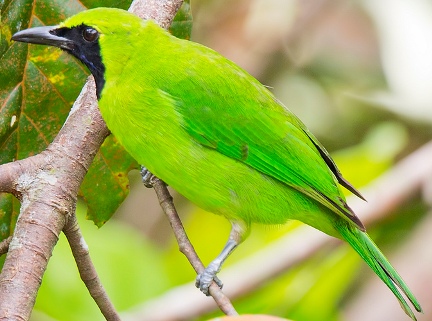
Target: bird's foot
[147, 177]
[205, 279]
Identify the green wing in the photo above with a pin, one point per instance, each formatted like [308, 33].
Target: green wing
[329, 161]
[231, 112]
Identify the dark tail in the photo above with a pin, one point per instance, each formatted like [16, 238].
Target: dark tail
[367, 249]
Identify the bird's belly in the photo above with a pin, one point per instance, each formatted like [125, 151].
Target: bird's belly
[227, 187]
[215, 182]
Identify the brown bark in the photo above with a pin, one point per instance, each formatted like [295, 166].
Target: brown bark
[47, 185]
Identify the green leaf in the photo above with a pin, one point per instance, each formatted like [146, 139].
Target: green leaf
[181, 26]
[9, 209]
[106, 184]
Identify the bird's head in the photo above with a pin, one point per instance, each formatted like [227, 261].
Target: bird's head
[84, 34]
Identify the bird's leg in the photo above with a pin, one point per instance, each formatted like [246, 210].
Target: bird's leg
[239, 232]
[146, 177]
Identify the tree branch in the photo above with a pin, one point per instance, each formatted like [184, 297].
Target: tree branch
[161, 11]
[87, 270]
[7, 177]
[47, 185]
[4, 245]
[185, 246]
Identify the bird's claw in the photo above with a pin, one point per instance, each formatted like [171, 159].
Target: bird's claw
[205, 279]
[147, 177]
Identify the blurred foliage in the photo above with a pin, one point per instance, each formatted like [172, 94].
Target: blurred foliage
[322, 59]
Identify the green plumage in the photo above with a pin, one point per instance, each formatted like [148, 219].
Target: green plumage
[369, 252]
[193, 116]
[216, 135]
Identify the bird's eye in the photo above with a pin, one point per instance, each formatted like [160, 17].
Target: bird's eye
[90, 34]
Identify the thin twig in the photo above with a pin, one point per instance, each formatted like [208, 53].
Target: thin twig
[185, 246]
[87, 270]
[4, 245]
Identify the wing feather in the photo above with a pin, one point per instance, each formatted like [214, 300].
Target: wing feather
[242, 120]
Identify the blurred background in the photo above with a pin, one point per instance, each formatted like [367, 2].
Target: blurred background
[359, 74]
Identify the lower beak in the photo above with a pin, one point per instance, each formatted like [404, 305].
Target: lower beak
[43, 36]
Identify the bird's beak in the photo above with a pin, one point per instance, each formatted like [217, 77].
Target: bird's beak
[43, 36]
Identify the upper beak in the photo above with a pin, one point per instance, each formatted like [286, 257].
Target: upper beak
[43, 36]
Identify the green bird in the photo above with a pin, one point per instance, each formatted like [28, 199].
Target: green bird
[213, 132]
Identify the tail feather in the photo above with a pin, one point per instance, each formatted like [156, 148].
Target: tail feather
[367, 249]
